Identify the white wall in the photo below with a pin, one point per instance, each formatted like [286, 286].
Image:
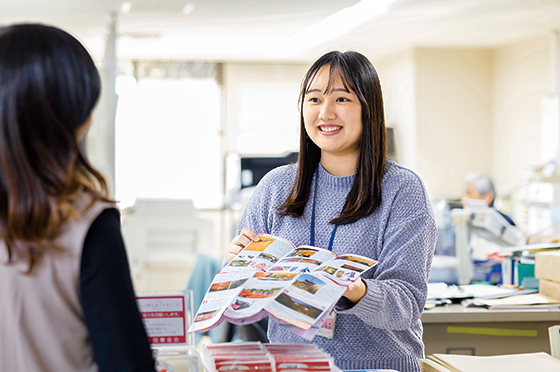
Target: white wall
[262, 107]
[439, 101]
[396, 73]
[520, 81]
[462, 110]
[453, 111]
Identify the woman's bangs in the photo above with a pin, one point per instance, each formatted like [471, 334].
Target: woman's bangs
[337, 71]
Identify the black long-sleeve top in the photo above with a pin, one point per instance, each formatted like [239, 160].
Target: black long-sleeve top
[111, 314]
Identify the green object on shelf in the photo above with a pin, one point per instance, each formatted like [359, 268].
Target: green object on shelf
[525, 275]
[530, 283]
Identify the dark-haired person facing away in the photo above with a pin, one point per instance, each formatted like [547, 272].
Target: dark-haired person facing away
[67, 298]
[343, 194]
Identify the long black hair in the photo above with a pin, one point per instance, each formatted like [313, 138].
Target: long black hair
[49, 85]
[358, 75]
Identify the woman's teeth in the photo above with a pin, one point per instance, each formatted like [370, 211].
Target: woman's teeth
[329, 129]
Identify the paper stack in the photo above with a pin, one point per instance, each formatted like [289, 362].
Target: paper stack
[254, 356]
[554, 335]
[546, 270]
[540, 362]
[531, 301]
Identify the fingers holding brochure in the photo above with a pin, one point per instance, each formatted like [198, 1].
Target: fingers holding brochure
[356, 291]
[239, 242]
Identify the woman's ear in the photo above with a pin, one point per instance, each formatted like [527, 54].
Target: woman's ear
[82, 129]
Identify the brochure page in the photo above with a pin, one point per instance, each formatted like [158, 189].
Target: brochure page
[305, 301]
[258, 291]
[304, 258]
[260, 255]
[223, 290]
[345, 269]
[308, 334]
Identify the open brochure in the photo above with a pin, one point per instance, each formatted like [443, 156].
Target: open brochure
[295, 286]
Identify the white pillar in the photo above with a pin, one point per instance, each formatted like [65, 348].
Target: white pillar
[101, 137]
[550, 105]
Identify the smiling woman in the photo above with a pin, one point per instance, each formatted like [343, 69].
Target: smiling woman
[345, 195]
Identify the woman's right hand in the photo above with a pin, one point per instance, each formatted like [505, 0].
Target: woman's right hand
[240, 242]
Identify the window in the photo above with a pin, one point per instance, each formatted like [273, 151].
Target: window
[167, 133]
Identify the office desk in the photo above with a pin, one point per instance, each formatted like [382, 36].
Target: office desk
[454, 329]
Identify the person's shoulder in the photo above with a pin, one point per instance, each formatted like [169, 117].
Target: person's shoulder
[280, 175]
[505, 216]
[276, 183]
[398, 175]
[404, 195]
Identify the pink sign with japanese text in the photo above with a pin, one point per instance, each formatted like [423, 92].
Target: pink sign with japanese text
[164, 318]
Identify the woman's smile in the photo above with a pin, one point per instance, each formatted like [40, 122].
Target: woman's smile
[329, 129]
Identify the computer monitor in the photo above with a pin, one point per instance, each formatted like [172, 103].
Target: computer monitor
[254, 168]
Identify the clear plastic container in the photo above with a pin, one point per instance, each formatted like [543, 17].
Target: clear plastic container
[177, 359]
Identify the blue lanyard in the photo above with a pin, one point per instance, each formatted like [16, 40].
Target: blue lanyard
[312, 239]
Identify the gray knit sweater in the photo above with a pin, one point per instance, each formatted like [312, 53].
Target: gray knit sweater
[383, 330]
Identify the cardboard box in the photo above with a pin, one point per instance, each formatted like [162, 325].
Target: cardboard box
[547, 265]
[549, 288]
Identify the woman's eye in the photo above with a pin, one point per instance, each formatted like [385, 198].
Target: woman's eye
[314, 100]
[342, 99]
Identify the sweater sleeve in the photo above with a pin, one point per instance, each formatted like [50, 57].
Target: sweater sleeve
[111, 314]
[397, 288]
[256, 213]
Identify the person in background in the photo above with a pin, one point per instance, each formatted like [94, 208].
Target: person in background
[344, 195]
[480, 186]
[67, 298]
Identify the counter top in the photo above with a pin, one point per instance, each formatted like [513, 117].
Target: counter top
[459, 314]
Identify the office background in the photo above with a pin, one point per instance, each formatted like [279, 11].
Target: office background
[190, 87]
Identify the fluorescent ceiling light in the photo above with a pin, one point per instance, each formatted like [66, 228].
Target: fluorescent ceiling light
[125, 7]
[187, 9]
[335, 25]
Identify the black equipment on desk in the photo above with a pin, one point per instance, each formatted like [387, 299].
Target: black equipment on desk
[259, 166]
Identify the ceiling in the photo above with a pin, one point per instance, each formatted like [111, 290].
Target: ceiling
[253, 30]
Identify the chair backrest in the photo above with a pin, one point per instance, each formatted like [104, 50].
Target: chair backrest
[165, 231]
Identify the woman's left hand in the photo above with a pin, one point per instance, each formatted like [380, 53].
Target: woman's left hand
[356, 291]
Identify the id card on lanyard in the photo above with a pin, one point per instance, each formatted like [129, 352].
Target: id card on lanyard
[327, 328]
[312, 232]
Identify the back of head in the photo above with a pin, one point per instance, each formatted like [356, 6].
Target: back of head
[49, 85]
